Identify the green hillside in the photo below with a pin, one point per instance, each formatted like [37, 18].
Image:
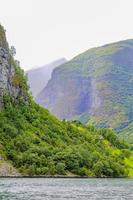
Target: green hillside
[36, 143]
[127, 134]
[95, 87]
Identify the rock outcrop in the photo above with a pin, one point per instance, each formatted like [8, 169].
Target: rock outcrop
[6, 169]
[8, 75]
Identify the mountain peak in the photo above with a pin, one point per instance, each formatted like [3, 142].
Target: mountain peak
[39, 76]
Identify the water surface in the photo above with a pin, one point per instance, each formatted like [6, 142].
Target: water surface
[65, 189]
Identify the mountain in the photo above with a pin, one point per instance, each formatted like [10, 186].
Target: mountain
[95, 86]
[34, 142]
[38, 77]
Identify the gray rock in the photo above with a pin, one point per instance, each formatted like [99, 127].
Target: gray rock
[7, 70]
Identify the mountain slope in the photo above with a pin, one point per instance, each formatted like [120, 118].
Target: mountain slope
[37, 143]
[96, 86]
[38, 77]
[127, 134]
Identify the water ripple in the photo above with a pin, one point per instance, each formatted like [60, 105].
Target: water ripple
[64, 189]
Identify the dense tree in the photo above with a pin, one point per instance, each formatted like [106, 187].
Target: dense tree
[37, 143]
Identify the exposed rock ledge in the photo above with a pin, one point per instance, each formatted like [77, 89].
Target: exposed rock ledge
[6, 169]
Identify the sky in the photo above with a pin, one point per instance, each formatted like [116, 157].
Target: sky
[45, 30]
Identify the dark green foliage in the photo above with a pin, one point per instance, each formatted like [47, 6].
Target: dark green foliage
[37, 143]
[20, 79]
[127, 134]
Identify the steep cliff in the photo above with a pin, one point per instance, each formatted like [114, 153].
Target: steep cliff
[12, 84]
[11, 79]
[96, 86]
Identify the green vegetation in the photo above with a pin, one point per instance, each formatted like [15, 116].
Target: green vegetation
[3, 42]
[37, 143]
[19, 79]
[101, 82]
[127, 134]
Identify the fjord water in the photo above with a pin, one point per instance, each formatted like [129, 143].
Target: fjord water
[62, 189]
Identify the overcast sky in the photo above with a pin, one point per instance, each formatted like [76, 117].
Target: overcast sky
[45, 30]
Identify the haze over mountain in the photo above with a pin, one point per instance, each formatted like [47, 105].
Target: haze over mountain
[39, 76]
[95, 86]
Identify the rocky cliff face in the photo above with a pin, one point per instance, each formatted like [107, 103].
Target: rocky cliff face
[96, 86]
[8, 74]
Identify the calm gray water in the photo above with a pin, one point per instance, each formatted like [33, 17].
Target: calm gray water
[65, 189]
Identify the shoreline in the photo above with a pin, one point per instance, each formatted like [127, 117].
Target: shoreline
[66, 177]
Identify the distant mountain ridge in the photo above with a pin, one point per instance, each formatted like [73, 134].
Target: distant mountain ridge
[39, 76]
[95, 86]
